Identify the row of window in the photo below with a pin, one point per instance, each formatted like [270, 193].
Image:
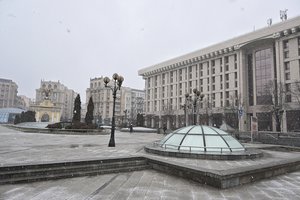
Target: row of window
[193, 71]
[231, 100]
[190, 85]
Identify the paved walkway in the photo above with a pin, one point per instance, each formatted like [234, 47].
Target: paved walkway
[17, 147]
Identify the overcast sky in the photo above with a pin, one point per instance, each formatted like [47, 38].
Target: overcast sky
[75, 40]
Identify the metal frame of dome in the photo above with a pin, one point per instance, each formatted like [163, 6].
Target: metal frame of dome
[201, 138]
[200, 141]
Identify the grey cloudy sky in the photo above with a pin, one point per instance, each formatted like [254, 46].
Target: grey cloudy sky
[75, 40]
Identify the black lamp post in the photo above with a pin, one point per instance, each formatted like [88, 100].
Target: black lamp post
[197, 96]
[118, 80]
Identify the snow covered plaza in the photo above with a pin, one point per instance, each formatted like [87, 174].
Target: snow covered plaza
[18, 148]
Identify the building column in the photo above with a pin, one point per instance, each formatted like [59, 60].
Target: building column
[284, 122]
[52, 117]
[177, 121]
[152, 122]
[160, 124]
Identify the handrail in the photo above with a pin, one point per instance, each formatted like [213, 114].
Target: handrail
[222, 149]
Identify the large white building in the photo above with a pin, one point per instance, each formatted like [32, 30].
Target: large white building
[129, 102]
[255, 74]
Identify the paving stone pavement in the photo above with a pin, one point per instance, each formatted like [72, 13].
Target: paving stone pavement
[17, 147]
[149, 184]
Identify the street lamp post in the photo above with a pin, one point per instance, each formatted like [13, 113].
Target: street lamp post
[117, 83]
[197, 97]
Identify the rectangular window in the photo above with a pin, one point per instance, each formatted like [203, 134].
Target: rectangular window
[226, 59]
[171, 76]
[226, 68]
[287, 66]
[287, 76]
[288, 96]
[285, 44]
[180, 75]
[286, 54]
[227, 95]
[227, 77]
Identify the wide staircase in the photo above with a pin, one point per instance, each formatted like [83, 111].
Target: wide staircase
[49, 171]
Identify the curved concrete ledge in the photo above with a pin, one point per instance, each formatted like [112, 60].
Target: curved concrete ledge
[217, 178]
[237, 155]
[61, 131]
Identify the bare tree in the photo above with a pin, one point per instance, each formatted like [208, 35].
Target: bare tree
[207, 114]
[278, 92]
[295, 90]
[168, 114]
[235, 107]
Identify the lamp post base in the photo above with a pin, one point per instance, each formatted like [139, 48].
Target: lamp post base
[111, 143]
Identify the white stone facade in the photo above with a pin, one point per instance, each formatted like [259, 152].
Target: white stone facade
[233, 76]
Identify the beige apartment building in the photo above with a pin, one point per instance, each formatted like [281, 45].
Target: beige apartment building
[252, 75]
[59, 95]
[8, 93]
[129, 102]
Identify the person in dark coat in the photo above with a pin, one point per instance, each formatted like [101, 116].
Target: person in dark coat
[130, 128]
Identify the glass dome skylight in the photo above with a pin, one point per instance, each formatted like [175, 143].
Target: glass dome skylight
[201, 139]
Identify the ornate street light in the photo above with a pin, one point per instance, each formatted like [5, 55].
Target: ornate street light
[117, 83]
[197, 97]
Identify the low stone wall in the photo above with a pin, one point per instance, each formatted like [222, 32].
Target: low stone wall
[61, 131]
[288, 139]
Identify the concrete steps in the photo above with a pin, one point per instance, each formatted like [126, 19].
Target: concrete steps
[49, 171]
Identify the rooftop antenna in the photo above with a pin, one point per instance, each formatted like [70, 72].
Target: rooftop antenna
[283, 14]
[269, 21]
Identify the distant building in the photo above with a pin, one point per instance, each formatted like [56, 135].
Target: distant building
[129, 103]
[23, 102]
[58, 94]
[8, 93]
[7, 115]
[253, 75]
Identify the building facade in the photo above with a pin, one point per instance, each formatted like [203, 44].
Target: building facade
[129, 102]
[253, 75]
[8, 93]
[61, 97]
